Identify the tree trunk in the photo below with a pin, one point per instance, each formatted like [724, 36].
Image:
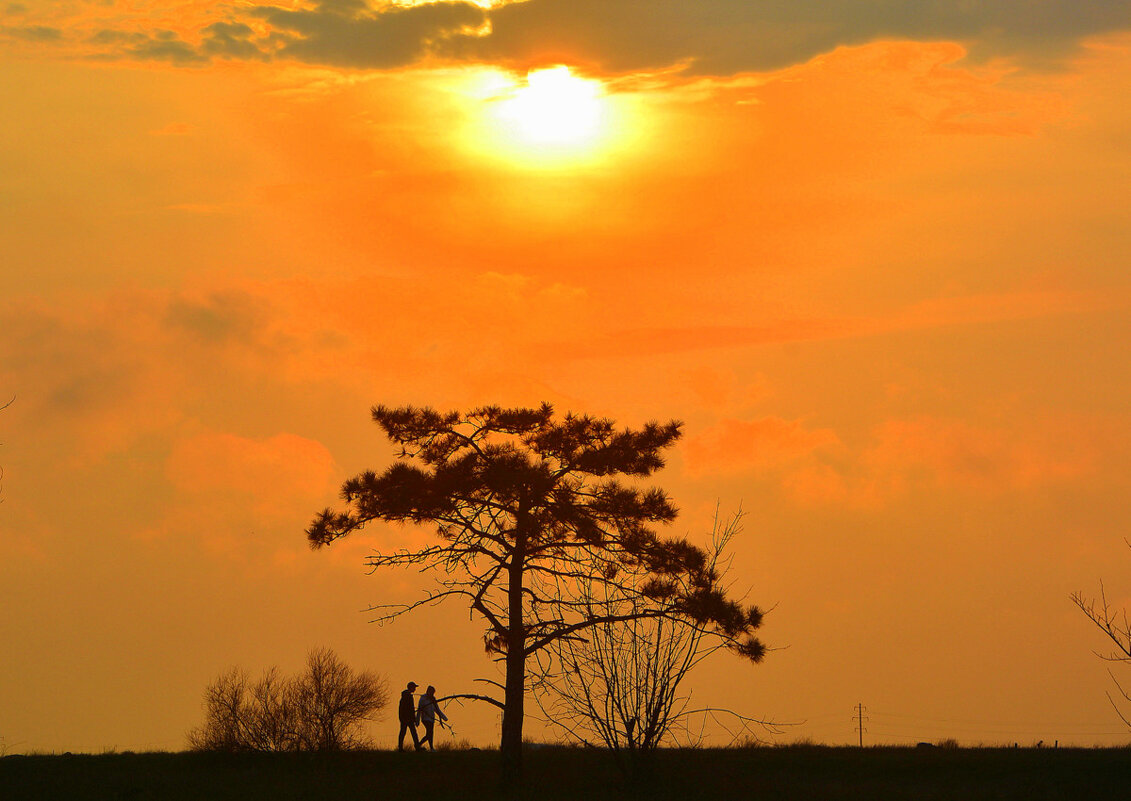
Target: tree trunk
[511, 746]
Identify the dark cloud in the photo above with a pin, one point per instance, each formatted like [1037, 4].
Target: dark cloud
[33, 33]
[113, 37]
[714, 37]
[231, 40]
[218, 319]
[729, 36]
[155, 46]
[349, 33]
[234, 40]
[166, 46]
[720, 37]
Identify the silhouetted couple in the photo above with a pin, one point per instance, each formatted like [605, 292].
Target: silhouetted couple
[410, 715]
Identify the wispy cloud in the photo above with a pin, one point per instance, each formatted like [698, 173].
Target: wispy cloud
[766, 443]
[932, 454]
[32, 33]
[932, 313]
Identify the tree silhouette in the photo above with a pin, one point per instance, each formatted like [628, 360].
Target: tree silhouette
[321, 709]
[1116, 626]
[523, 504]
[622, 685]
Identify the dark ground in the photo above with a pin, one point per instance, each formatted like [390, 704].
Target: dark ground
[792, 773]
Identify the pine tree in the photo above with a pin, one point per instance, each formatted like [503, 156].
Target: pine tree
[522, 502]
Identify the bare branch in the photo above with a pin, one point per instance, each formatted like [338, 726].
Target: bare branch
[1114, 624]
[321, 709]
[1117, 628]
[430, 599]
[620, 683]
[473, 697]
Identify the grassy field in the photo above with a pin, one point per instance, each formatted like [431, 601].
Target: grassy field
[793, 773]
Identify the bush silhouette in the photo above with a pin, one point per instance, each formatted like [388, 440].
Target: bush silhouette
[321, 709]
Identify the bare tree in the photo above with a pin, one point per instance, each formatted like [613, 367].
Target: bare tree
[227, 716]
[331, 701]
[1116, 626]
[276, 720]
[322, 709]
[523, 502]
[620, 684]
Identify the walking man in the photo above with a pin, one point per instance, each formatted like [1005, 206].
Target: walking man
[407, 714]
[427, 713]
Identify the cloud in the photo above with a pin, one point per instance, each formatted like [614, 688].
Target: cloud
[86, 376]
[928, 453]
[350, 33]
[815, 466]
[724, 389]
[822, 484]
[281, 468]
[725, 37]
[159, 45]
[708, 37]
[33, 33]
[219, 317]
[127, 371]
[955, 453]
[231, 40]
[223, 39]
[928, 314]
[735, 446]
[243, 499]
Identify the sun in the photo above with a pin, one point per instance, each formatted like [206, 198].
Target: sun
[555, 108]
[550, 119]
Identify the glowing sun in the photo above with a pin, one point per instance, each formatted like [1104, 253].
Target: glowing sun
[554, 108]
[550, 119]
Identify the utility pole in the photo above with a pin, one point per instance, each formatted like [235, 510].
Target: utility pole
[860, 708]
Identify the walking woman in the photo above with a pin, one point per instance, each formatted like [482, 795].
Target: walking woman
[426, 714]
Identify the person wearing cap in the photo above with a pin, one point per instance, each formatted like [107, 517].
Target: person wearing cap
[407, 714]
[427, 713]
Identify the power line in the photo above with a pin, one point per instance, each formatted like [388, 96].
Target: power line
[1028, 723]
[860, 723]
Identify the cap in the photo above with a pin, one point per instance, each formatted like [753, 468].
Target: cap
[412, 685]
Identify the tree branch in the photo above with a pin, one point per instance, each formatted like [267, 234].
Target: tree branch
[473, 697]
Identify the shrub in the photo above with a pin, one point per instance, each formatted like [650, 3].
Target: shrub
[322, 709]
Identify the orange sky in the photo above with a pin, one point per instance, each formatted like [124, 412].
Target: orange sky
[877, 265]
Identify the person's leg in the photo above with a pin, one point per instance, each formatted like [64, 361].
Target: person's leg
[415, 739]
[427, 738]
[400, 737]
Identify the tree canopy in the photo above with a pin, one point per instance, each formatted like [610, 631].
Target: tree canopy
[525, 503]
